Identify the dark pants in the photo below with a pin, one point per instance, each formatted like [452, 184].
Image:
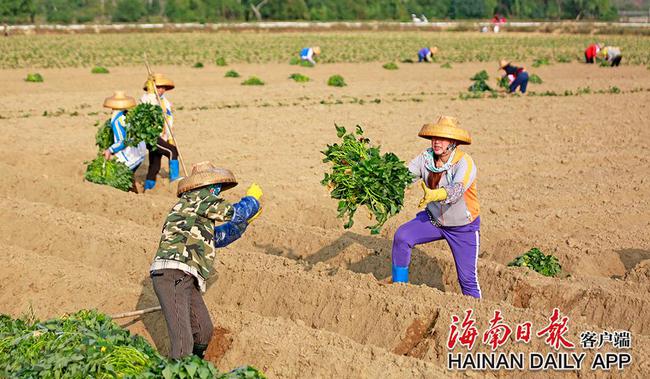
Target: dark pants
[188, 320]
[616, 61]
[155, 156]
[589, 59]
[520, 81]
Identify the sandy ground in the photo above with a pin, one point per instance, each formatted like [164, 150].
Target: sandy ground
[299, 295]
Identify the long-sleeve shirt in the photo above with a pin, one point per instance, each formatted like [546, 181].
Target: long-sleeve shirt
[166, 105]
[611, 52]
[592, 50]
[307, 54]
[188, 236]
[461, 206]
[131, 156]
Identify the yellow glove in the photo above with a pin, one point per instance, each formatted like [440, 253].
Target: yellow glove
[432, 194]
[255, 191]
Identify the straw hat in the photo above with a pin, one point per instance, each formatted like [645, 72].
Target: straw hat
[446, 127]
[433, 49]
[503, 63]
[316, 50]
[205, 173]
[161, 81]
[119, 101]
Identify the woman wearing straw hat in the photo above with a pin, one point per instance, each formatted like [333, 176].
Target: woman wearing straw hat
[308, 54]
[165, 144]
[450, 201]
[186, 251]
[518, 73]
[612, 54]
[426, 54]
[131, 156]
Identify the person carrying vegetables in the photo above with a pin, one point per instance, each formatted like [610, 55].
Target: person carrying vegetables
[426, 54]
[450, 201]
[186, 251]
[308, 53]
[131, 156]
[519, 75]
[165, 144]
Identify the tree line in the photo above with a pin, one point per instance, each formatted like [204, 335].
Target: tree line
[87, 11]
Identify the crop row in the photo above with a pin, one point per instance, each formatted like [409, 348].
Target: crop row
[188, 48]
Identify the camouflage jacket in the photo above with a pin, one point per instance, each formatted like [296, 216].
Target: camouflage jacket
[186, 240]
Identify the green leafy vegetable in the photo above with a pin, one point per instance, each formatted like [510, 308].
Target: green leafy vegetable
[541, 62]
[145, 123]
[480, 82]
[232, 74]
[294, 61]
[198, 65]
[445, 65]
[503, 82]
[34, 78]
[336, 81]
[535, 79]
[534, 259]
[221, 61]
[300, 78]
[104, 137]
[305, 63]
[110, 172]
[99, 70]
[390, 66]
[360, 175]
[253, 81]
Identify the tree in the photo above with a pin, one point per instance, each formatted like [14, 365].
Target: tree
[128, 11]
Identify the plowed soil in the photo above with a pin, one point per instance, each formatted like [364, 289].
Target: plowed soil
[299, 296]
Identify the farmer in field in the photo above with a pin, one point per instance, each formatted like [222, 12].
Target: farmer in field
[517, 76]
[186, 252]
[450, 201]
[309, 53]
[426, 54]
[611, 54]
[592, 52]
[165, 144]
[131, 156]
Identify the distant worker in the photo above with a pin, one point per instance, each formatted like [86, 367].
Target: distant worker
[426, 54]
[450, 205]
[131, 156]
[309, 53]
[187, 251]
[612, 54]
[165, 143]
[517, 76]
[592, 52]
[497, 22]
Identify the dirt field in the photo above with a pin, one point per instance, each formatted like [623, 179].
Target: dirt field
[299, 295]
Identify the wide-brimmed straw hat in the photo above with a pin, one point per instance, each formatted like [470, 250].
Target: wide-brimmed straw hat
[316, 49]
[433, 49]
[161, 81]
[204, 174]
[503, 63]
[119, 101]
[446, 127]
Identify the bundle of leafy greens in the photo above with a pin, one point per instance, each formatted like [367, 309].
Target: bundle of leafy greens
[110, 172]
[88, 344]
[104, 136]
[360, 175]
[534, 259]
[480, 82]
[145, 124]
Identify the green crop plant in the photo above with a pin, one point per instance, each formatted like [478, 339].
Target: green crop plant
[198, 65]
[88, 344]
[104, 137]
[294, 61]
[361, 176]
[390, 66]
[99, 70]
[305, 63]
[145, 123]
[300, 78]
[535, 79]
[110, 172]
[445, 65]
[253, 81]
[221, 61]
[336, 81]
[232, 74]
[541, 62]
[34, 78]
[480, 82]
[547, 265]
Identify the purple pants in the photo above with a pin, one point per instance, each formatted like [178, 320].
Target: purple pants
[463, 241]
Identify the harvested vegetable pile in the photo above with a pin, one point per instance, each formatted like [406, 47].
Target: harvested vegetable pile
[336, 81]
[480, 82]
[88, 344]
[362, 176]
[390, 66]
[110, 172]
[534, 259]
[145, 124]
[300, 78]
[34, 78]
[104, 136]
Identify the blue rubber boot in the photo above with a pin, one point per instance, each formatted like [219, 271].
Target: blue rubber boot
[173, 170]
[400, 274]
[149, 184]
